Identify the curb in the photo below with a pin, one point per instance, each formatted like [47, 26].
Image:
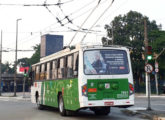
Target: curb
[144, 114]
[136, 113]
[15, 98]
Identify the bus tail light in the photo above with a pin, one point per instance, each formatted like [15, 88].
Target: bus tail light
[92, 90]
[84, 90]
[131, 89]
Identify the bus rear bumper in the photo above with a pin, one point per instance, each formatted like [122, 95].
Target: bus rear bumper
[111, 103]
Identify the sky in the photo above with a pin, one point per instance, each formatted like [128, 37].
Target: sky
[40, 20]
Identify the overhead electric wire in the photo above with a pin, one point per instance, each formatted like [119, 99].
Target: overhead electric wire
[85, 21]
[60, 21]
[61, 25]
[27, 5]
[71, 20]
[18, 50]
[98, 19]
[114, 11]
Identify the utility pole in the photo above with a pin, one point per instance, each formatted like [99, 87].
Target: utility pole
[1, 65]
[15, 66]
[148, 86]
[112, 35]
[156, 70]
[146, 61]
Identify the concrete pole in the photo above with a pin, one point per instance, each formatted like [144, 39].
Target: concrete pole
[1, 65]
[156, 79]
[149, 93]
[112, 35]
[15, 66]
[146, 45]
[24, 80]
[146, 83]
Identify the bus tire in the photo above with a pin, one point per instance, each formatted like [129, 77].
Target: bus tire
[61, 106]
[102, 111]
[39, 106]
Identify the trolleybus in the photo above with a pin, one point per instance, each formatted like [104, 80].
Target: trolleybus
[95, 77]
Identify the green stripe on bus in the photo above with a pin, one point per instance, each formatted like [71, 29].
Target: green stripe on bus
[69, 88]
[100, 89]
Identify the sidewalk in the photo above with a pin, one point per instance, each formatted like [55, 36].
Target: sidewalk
[140, 109]
[145, 114]
[19, 96]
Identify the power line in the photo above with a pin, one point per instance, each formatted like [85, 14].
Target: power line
[17, 50]
[71, 20]
[98, 19]
[114, 11]
[85, 21]
[30, 5]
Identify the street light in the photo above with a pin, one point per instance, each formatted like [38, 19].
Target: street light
[15, 66]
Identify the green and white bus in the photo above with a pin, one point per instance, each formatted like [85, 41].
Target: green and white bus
[95, 77]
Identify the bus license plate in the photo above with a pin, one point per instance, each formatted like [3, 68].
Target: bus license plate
[108, 103]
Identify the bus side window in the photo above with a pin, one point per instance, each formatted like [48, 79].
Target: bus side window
[56, 66]
[40, 72]
[69, 66]
[48, 71]
[75, 65]
[53, 69]
[61, 68]
[45, 70]
[32, 74]
[37, 73]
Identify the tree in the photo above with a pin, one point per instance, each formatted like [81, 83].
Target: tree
[36, 56]
[128, 30]
[158, 44]
[27, 62]
[7, 68]
[24, 62]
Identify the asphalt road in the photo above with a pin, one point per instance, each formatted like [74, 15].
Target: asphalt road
[25, 110]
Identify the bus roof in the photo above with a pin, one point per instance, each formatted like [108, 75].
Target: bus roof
[70, 50]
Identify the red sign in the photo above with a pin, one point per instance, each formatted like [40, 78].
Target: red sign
[22, 69]
[109, 103]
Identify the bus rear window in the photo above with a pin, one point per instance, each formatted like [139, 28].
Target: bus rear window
[105, 62]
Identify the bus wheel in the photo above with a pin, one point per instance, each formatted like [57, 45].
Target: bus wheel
[39, 106]
[102, 111]
[61, 106]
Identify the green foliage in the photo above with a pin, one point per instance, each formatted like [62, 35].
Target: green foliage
[23, 62]
[128, 30]
[7, 68]
[36, 56]
[158, 43]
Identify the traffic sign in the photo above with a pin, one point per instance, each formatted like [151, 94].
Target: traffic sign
[156, 64]
[148, 68]
[156, 70]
